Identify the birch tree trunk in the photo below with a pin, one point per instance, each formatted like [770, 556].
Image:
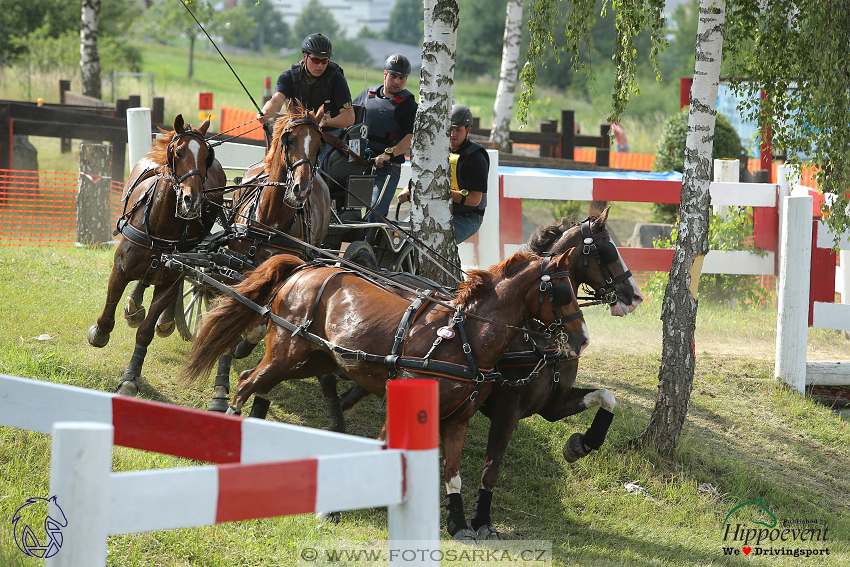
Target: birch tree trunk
[679, 308]
[430, 216]
[89, 59]
[500, 133]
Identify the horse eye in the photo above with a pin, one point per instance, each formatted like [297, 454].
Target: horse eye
[179, 153]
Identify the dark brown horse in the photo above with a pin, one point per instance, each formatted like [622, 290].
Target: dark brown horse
[596, 263]
[165, 210]
[283, 194]
[343, 321]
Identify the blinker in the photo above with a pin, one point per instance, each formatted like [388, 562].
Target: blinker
[562, 294]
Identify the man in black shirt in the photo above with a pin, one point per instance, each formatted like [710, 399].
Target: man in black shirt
[314, 82]
[390, 115]
[470, 167]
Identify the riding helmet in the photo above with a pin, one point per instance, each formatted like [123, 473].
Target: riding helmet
[317, 44]
[398, 64]
[461, 115]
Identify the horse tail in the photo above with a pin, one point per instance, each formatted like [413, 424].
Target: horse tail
[229, 317]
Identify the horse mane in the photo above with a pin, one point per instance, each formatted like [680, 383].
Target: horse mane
[545, 238]
[272, 161]
[159, 148]
[479, 282]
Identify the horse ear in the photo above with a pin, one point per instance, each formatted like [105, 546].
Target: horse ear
[565, 258]
[603, 217]
[320, 114]
[178, 123]
[203, 127]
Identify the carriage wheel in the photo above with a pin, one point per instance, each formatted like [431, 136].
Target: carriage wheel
[405, 261]
[190, 306]
[359, 246]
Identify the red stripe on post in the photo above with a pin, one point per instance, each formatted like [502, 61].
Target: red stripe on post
[413, 414]
[648, 259]
[266, 490]
[822, 276]
[175, 430]
[637, 190]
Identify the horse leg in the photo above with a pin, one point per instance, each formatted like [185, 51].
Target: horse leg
[580, 445]
[337, 419]
[222, 385]
[134, 311]
[98, 334]
[165, 325]
[352, 398]
[502, 427]
[129, 384]
[452, 437]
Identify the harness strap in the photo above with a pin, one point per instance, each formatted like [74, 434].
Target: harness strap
[302, 328]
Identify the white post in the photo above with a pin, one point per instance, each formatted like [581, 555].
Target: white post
[787, 179]
[792, 292]
[413, 415]
[138, 134]
[727, 171]
[844, 270]
[80, 463]
[489, 250]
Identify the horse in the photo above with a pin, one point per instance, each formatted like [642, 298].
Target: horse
[281, 194]
[168, 206]
[546, 382]
[327, 318]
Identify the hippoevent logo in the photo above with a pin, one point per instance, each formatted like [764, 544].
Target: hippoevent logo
[44, 513]
[752, 529]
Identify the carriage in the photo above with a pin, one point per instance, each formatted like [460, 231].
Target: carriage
[350, 193]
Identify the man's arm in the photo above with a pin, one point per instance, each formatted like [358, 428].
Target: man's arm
[400, 148]
[272, 107]
[344, 119]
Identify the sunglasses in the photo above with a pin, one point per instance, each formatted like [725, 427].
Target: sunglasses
[318, 60]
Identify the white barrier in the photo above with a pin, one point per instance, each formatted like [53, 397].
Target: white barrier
[323, 470]
[793, 299]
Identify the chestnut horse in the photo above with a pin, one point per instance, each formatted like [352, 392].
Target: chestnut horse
[329, 319]
[165, 210]
[282, 194]
[598, 265]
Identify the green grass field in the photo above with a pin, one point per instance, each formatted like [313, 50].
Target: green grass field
[746, 436]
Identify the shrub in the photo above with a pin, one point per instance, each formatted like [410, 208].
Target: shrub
[670, 153]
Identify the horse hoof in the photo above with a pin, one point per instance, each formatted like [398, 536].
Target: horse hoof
[465, 535]
[487, 532]
[96, 338]
[574, 448]
[134, 319]
[165, 329]
[330, 517]
[128, 388]
[218, 404]
[232, 411]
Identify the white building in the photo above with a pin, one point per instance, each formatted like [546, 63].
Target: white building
[351, 15]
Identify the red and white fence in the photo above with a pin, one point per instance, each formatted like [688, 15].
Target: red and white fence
[278, 469]
[803, 241]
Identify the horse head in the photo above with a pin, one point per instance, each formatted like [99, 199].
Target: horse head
[595, 260]
[188, 157]
[555, 304]
[294, 155]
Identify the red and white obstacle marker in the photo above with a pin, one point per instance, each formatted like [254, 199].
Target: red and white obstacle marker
[351, 472]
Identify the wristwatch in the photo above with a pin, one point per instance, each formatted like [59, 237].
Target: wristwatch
[389, 150]
[463, 194]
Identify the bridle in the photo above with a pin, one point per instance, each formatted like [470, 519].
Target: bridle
[605, 253]
[172, 173]
[560, 294]
[284, 141]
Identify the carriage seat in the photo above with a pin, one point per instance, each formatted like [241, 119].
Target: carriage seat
[346, 172]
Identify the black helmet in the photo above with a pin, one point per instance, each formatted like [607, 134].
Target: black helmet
[398, 64]
[317, 44]
[461, 115]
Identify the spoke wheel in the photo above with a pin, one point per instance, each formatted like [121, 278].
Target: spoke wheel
[360, 247]
[191, 304]
[405, 261]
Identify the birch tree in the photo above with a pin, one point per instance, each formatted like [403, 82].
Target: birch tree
[503, 107]
[679, 307]
[430, 216]
[89, 59]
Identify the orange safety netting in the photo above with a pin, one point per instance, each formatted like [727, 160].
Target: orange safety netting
[238, 122]
[39, 208]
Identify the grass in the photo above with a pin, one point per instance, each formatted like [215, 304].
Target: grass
[746, 435]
